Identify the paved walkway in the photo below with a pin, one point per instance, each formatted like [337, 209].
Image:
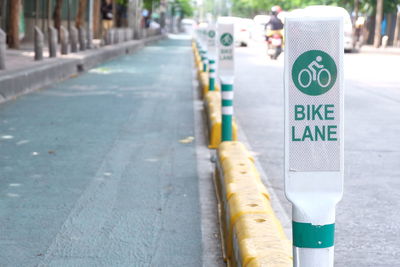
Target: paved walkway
[93, 173]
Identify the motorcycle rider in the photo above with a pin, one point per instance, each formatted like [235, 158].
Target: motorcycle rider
[275, 25]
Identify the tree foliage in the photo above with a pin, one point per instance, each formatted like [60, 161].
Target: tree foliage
[249, 8]
[186, 7]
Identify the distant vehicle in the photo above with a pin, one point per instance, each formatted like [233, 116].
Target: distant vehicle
[188, 25]
[258, 31]
[242, 29]
[349, 44]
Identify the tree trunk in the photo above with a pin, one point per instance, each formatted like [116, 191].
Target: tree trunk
[57, 17]
[96, 19]
[48, 13]
[396, 41]
[114, 13]
[15, 7]
[80, 16]
[378, 22]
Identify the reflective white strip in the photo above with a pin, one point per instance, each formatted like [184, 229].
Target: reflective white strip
[212, 75]
[227, 95]
[227, 110]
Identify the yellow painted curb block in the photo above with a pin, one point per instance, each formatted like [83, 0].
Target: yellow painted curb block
[213, 109]
[258, 236]
[251, 233]
[233, 149]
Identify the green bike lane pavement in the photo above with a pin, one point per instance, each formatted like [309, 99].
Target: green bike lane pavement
[92, 170]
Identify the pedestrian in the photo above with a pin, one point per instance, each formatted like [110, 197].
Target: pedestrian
[107, 15]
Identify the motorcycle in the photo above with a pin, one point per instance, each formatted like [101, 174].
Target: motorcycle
[275, 43]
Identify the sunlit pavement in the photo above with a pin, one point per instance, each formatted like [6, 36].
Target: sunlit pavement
[367, 228]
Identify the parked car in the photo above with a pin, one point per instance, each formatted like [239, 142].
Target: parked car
[258, 31]
[349, 44]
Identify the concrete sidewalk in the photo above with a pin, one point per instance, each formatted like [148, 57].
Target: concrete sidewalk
[381, 50]
[100, 170]
[23, 74]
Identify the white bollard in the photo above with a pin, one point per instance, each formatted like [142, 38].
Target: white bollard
[314, 131]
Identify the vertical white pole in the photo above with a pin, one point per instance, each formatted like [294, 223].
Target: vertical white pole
[314, 131]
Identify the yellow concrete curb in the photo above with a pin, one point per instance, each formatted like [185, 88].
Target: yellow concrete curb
[251, 233]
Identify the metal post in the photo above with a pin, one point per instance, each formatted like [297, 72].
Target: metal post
[74, 39]
[39, 43]
[82, 38]
[52, 41]
[64, 40]
[2, 49]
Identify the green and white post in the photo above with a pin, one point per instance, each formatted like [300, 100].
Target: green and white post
[226, 76]
[211, 34]
[314, 132]
[203, 51]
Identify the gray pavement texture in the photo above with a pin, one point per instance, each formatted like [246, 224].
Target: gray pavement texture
[367, 224]
[24, 75]
[92, 170]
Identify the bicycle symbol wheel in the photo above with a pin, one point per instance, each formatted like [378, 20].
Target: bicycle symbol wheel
[319, 78]
[308, 73]
[305, 78]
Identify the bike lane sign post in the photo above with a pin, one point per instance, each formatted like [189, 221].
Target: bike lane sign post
[211, 34]
[313, 133]
[225, 40]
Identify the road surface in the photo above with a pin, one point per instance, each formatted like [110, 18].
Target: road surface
[367, 226]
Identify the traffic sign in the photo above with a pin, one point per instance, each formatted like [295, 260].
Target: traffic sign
[225, 42]
[314, 132]
[226, 70]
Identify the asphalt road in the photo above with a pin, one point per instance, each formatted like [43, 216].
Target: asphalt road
[367, 224]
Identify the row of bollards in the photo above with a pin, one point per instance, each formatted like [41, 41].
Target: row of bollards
[71, 41]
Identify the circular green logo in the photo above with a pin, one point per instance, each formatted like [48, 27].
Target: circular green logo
[226, 39]
[314, 72]
[211, 34]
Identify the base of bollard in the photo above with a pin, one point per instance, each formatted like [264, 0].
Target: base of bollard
[313, 257]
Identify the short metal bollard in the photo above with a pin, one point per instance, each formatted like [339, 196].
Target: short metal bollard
[116, 36]
[74, 39]
[39, 43]
[82, 39]
[52, 42]
[89, 40]
[64, 35]
[110, 37]
[2, 50]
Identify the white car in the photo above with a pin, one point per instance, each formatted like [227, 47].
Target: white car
[333, 10]
[258, 31]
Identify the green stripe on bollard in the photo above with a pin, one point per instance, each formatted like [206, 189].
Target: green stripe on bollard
[306, 235]
[211, 74]
[226, 102]
[227, 112]
[226, 128]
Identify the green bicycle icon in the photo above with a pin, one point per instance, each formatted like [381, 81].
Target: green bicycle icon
[314, 72]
